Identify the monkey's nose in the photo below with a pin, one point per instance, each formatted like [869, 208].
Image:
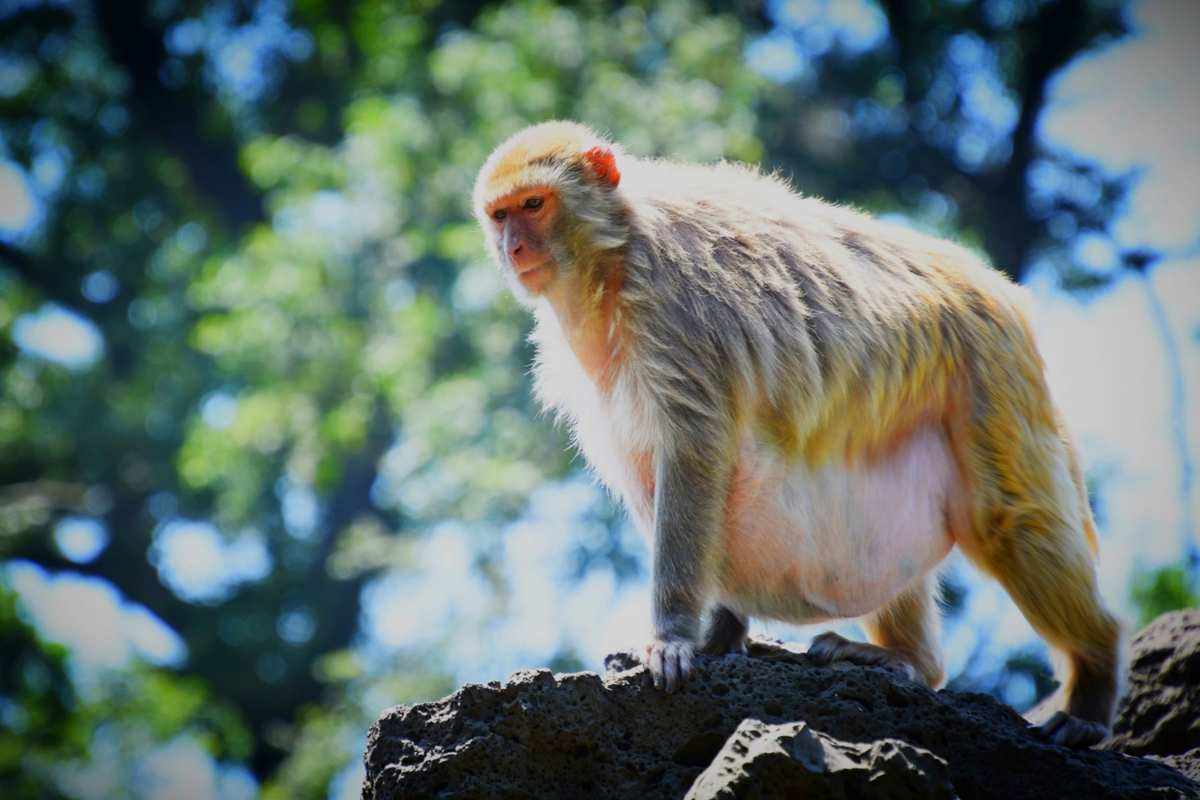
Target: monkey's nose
[516, 248]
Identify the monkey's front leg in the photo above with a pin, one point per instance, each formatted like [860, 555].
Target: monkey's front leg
[726, 632]
[689, 498]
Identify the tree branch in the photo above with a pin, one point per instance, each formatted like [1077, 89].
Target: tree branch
[175, 116]
[1051, 39]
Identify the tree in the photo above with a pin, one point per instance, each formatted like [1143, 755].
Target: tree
[324, 292]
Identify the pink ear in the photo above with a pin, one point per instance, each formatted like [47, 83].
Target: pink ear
[604, 164]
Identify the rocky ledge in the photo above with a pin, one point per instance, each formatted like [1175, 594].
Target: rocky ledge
[1160, 715]
[772, 725]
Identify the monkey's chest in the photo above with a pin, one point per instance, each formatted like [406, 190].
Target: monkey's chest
[803, 544]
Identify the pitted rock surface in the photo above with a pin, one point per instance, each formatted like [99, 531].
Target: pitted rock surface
[1160, 714]
[790, 759]
[586, 736]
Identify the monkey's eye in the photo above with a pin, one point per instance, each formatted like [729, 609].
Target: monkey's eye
[499, 215]
[533, 203]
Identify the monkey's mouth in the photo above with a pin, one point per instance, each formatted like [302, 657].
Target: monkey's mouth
[529, 269]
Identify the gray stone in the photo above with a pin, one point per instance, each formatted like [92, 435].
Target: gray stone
[539, 735]
[1160, 714]
[790, 759]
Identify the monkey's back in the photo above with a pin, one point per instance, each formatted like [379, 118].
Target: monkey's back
[845, 328]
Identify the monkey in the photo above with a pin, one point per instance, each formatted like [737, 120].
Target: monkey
[804, 410]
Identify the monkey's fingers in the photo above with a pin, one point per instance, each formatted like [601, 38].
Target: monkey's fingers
[654, 663]
[829, 647]
[1068, 731]
[669, 662]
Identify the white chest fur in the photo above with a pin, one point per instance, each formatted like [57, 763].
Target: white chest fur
[614, 431]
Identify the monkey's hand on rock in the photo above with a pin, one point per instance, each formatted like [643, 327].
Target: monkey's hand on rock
[669, 662]
[830, 647]
[1068, 731]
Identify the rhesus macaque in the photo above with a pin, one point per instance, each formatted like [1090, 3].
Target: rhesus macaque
[803, 409]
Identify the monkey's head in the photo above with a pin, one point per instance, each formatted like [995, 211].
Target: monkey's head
[547, 201]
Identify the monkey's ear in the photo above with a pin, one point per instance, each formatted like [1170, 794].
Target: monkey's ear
[604, 165]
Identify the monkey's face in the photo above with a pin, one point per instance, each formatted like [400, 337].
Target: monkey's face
[521, 224]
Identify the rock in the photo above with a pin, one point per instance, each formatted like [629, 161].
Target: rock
[1188, 763]
[1160, 714]
[583, 736]
[790, 759]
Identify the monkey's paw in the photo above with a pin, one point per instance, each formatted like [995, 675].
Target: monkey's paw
[829, 647]
[669, 662]
[1068, 731]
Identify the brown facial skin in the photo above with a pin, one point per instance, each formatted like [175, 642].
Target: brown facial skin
[523, 222]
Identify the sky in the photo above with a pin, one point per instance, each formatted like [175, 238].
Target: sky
[1129, 107]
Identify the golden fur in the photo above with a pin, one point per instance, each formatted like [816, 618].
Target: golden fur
[736, 308]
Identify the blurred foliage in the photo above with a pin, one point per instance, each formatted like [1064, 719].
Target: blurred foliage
[1165, 589]
[37, 724]
[261, 209]
[49, 726]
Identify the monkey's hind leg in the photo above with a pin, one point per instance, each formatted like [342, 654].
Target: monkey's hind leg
[1036, 543]
[726, 633]
[903, 636]
[1049, 575]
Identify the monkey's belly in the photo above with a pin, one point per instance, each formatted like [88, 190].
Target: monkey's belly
[805, 545]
